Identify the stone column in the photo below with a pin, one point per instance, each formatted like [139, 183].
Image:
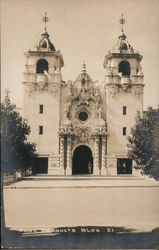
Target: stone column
[69, 160]
[62, 153]
[103, 170]
[96, 157]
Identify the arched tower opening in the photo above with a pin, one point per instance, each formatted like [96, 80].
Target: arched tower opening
[42, 66]
[82, 160]
[124, 68]
[44, 44]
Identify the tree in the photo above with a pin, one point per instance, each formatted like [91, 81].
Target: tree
[16, 152]
[143, 143]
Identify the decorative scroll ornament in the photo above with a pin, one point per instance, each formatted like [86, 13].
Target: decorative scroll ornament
[41, 78]
[138, 91]
[109, 69]
[66, 128]
[82, 134]
[140, 72]
[81, 97]
[52, 89]
[30, 87]
[125, 87]
[40, 86]
[113, 90]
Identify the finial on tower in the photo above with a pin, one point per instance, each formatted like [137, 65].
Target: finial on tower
[83, 67]
[122, 22]
[45, 20]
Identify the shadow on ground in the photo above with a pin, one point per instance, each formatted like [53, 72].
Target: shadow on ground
[121, 238]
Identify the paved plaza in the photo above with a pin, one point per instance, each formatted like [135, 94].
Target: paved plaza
[42, 203]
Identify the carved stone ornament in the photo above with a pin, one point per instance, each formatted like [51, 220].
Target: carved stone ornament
[30, 87]
[113, 90]
[133, 79]
[41, 78]
[66, 128]
[52, 89]
[125, 87]
[109, 69]
[102, 130]
[138, 91]
[82, 134]
[140, 72]
[40, 86]
[82, 97]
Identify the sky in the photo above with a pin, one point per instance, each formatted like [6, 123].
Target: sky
[83, 30]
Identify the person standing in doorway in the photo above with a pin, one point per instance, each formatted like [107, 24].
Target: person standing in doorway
[89, 167]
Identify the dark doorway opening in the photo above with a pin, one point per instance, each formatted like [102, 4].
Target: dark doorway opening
[82, 161]
[124, 166]
[40, 166]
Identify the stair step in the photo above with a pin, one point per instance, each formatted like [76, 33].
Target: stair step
[83, 178]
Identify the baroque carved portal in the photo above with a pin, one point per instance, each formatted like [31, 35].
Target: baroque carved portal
[83, 122]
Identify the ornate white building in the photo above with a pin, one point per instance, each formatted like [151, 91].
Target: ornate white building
[81, 127]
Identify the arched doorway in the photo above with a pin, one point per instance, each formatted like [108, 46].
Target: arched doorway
[82, 161]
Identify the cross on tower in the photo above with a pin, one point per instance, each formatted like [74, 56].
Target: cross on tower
[45, 20]
[122, 21]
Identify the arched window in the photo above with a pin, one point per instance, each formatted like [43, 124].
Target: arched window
[123, 46]
[43, 44]
[42, 66]
[124, 68]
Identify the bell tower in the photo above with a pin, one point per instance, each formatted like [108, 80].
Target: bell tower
[124, 97]
[42, 87]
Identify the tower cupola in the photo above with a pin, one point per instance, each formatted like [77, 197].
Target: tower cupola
[43, 64]
[122, 45]
[122, 63]
[45, 43]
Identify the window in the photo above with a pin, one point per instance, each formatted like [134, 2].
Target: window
[42, 66]
[124, 110]
[83, 116]
[41, 109]
[124, 68]
[123, 46]
[40, 165]
[40, 130]
[124, 130]
[124, 166]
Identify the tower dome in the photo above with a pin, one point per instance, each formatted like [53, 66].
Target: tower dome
[45, 43]
[122, 60]
[122, 45]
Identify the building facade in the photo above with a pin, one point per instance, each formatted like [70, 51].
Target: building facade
[81, 127]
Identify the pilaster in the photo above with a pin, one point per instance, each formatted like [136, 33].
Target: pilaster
[69, 160]
[103, 169]
[62, 152]
[96, 156]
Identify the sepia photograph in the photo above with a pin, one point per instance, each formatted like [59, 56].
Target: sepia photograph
[80, 124]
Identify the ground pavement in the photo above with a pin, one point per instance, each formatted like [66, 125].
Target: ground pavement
[46, 201]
